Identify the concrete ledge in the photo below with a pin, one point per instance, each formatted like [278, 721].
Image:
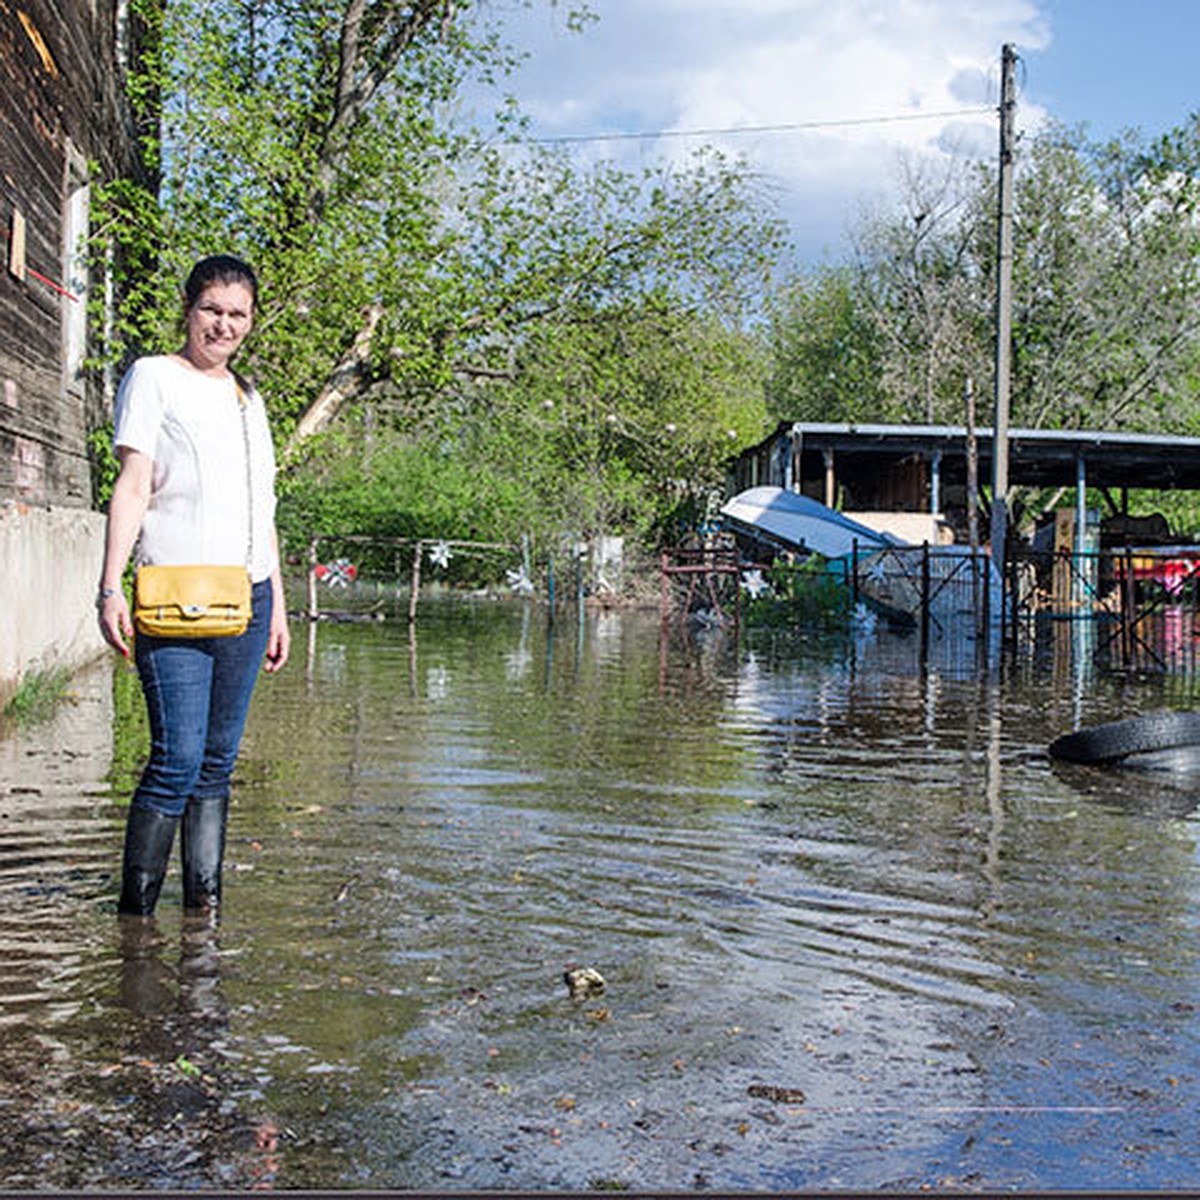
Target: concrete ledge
[51, 561]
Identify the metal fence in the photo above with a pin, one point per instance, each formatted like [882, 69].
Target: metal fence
[1142, 601]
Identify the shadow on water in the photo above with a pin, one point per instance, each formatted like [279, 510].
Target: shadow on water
[855, 930]
[1158, 786]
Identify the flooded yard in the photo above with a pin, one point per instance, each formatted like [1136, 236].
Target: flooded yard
[856, 930]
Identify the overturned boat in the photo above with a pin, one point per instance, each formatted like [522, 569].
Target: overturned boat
[794, 522]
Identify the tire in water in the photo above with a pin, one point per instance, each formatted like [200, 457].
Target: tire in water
[1136, 735]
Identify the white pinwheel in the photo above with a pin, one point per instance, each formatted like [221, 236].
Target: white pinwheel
[754, 583]
[519, 581]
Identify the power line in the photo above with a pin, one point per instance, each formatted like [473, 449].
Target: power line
[790, 127]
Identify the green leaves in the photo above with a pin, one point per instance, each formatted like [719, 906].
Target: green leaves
[1105, 319]
[1104, 275]
[826, 351]
[457, 335]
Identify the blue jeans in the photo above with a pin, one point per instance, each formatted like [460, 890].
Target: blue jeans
[197, 694]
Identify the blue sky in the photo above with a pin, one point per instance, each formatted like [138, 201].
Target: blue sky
[1115, 65]
[684, 65]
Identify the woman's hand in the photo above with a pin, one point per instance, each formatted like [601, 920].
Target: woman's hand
[115, 624]
[279, 642]
[279, 636]
[131, 495]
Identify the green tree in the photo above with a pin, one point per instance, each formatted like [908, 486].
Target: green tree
[1105, 319]
[826, 353]
[414, 271]
[311, 138]
[633, 418]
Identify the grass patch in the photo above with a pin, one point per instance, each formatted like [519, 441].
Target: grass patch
[38, 696]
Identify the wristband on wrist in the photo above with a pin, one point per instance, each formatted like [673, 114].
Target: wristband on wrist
[104, 593]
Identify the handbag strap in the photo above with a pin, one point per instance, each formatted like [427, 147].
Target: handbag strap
[242, 403]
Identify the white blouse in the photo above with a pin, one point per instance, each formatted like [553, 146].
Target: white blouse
[190, 424]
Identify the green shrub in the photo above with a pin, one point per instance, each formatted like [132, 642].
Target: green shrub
[802, 595]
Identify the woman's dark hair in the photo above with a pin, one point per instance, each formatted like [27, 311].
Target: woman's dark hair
[218, 268]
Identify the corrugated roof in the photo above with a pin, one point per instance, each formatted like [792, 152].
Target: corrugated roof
[1037, 457]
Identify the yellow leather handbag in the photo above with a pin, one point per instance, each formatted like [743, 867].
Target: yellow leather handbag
[199, 601]
[192, 601]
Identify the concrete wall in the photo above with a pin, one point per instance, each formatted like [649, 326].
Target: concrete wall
[51, 562]
[68, 758]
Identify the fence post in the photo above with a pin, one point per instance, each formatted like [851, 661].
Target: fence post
[416, 582]
[981, 575]
[1128, 609]
[924, 597]
[312, 580]
[665, 601]
[1010, 590]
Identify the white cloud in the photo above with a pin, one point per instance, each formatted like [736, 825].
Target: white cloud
[683, 65]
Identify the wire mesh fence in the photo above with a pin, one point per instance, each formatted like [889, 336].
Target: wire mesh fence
[1138, 605]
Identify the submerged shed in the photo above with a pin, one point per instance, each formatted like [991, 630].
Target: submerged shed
[924, 468]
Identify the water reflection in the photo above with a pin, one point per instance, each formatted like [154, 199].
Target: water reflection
[191, 986]
[1153, 791]
[834, 867]
[146, 981]
[54, 852]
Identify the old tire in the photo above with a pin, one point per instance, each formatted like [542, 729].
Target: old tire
[1118, 740]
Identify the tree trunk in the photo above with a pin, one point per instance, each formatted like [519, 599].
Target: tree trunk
[346, 382]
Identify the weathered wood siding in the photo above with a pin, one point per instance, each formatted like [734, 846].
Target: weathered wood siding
[62, 115]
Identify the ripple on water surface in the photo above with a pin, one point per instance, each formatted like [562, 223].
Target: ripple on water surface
[845, 912]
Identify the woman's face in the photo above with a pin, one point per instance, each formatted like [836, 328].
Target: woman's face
[217, 324]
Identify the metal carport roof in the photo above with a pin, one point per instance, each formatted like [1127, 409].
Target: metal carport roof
[1037, 457]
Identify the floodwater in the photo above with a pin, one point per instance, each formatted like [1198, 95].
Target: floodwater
[856, 930]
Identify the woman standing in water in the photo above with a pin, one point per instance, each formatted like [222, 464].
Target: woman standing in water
[197, 474]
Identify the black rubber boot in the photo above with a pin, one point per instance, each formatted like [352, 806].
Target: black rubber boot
[203, 845]
[148, 838]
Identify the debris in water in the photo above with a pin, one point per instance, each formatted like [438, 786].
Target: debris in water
[780, 1095]
[583, 982]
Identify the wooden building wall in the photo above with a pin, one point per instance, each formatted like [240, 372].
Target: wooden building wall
[62, 114]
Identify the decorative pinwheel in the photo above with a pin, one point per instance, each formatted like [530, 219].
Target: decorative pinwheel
[339, 573]
[755, 584]
[519, 581]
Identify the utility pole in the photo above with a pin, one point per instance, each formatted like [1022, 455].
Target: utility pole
[973, 501]
[972, 469]
[1004, 265]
